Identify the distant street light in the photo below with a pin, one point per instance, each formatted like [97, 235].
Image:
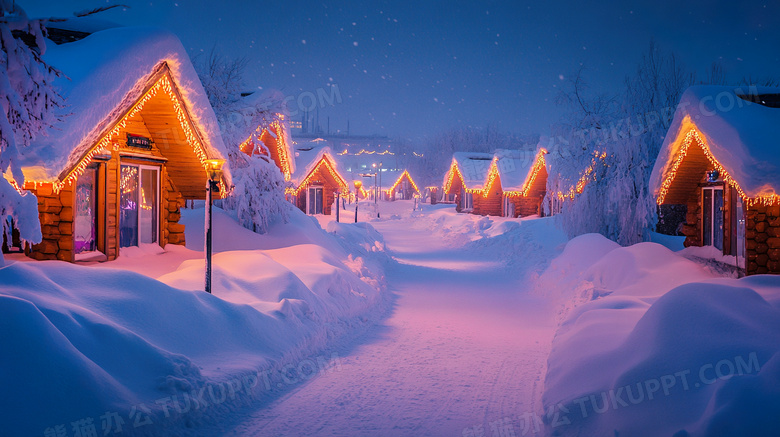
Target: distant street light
[212, 186]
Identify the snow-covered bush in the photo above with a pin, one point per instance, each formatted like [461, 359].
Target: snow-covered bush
[258, 196]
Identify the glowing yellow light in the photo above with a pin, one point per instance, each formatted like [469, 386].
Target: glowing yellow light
[491, 178]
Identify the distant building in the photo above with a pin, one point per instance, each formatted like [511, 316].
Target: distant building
[509, 183]
[316, 181]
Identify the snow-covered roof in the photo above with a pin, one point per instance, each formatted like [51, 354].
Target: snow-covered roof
[474, 167]
[742, 136]
[307, 156]
[515, 167]
[103, 75]
[88, 24]
[258, 112]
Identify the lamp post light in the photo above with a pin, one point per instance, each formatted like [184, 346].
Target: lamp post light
[212, 186]
[358, 186]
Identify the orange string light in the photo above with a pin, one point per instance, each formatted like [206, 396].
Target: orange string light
[324, 161]
[282, 150]
[400, 178]
[453, 171]
[766, 200]
[585, 177]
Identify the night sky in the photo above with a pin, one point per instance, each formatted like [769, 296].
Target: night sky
[411, 70]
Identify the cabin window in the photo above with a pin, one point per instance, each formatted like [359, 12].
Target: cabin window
[139, 205]
[468, 200]
[509, 207]
[314, 197]
[712, 217]
[85, 220]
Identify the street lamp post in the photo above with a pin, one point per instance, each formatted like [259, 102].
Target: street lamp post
[212, 186]
[358, 186]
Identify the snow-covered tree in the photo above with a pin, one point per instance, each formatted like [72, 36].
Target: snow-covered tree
[616, 140]
[258, 196]
[27, 98]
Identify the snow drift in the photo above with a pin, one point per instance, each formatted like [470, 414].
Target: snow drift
[652, 344]
[81, 343]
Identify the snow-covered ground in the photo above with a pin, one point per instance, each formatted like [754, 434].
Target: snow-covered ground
[463, 352]
[135, 345]
[414, 323]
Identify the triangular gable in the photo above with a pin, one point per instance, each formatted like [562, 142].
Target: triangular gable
[160, 84]
[275, 138]
[327, 164]
[691, 142]
[735, 132]
[538, 168]
[451, 177]
[398, 181]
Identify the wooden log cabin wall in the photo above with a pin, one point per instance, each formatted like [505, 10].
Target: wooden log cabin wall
[491, 203]
[58, 211]
[763, 239]
[531, 203]
[756, 233]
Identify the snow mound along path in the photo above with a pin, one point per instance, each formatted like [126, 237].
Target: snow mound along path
[662, 347]
[81, 342]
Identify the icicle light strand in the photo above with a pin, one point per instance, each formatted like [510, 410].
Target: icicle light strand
[400, 178]
[324, 162]
[108, 141]
[766, 200]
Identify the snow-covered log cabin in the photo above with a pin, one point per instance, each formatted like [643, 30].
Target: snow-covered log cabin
[518, 178]
[721, 161]
[270, 136]
[466, 179]
[316, 180]
[135, 140]
[404, 188]
[509, 183]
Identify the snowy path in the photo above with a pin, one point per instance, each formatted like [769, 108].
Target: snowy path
[463, 347]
